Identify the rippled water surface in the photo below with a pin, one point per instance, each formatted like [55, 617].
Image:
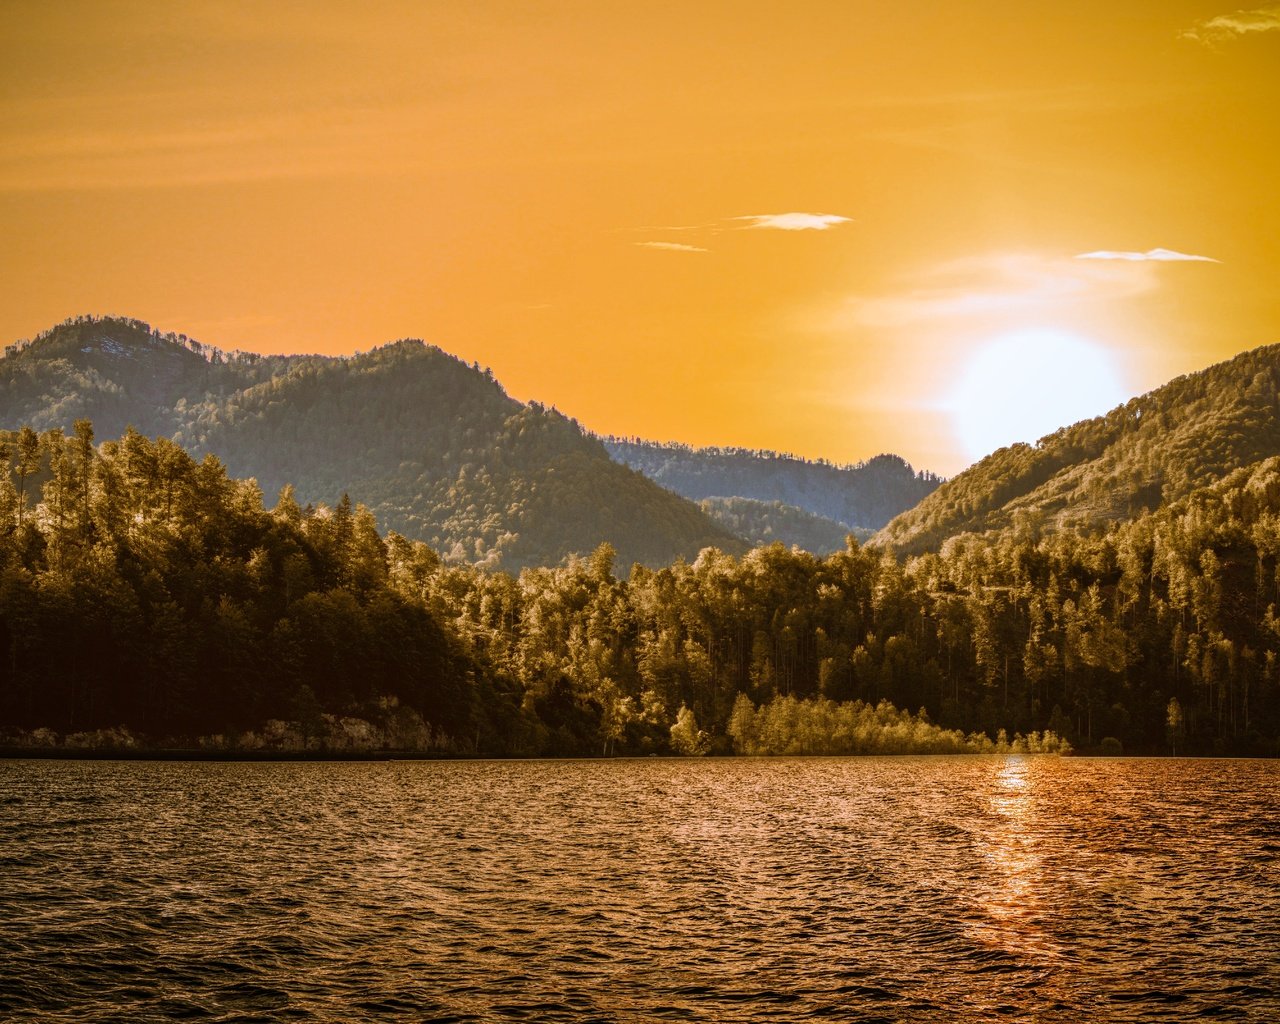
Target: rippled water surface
[894, 889]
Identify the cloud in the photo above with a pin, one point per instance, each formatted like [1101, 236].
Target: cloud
[996, 285]
[675, 227]
[1157, 255]
[1226, 27]
[793, 221]
[772, 221]
[671, 246]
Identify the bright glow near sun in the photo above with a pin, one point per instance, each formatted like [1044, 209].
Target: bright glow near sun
[1024, 385]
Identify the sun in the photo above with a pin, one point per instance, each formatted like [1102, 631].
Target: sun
[1024, 385]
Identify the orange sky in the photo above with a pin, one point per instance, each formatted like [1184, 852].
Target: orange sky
[326, 177]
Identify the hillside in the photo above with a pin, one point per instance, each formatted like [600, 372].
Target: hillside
[1151, 451]
[766, 522]
[866, 495]
[435, 448]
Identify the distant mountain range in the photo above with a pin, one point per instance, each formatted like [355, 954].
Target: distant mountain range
[1150, 452]
[438, 451]
[864, 496]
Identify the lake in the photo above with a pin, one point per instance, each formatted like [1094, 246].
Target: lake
[850, 889]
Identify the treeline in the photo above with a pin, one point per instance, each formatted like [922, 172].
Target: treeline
[141, 588]
[819, 726]
[1160, 634]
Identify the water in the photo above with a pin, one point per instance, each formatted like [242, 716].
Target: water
[876, 889]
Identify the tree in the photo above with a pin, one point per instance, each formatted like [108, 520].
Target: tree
[742, 725]
[83, 454]
[28, 463]
[1173, 724]
[686, 738]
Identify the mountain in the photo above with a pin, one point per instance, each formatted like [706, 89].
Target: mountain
[865, 495]
[435, 447]
[144, 592]
[1151, 451]
[764, 522]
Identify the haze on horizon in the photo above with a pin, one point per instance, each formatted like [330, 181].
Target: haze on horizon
[832, 230]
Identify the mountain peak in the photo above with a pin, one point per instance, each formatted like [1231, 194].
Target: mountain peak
[1152, 450]
[110, 336]
[431, 443]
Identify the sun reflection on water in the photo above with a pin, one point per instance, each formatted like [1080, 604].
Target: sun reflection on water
[1010, 895]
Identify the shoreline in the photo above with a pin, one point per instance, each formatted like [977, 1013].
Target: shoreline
[176, 754]
[197, 754]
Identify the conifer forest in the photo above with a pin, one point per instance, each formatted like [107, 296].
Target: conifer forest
[147, 598]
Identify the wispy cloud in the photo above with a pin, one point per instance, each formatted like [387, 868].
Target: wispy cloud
[769, 221]
[1156, 255]
[671, 246]
[712, 226]
[997, 285]
[793, 221]
[1225, 27]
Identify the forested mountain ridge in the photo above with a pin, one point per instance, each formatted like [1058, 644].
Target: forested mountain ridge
[144, 593]
[769, 522]
[145, 589]
[866, 495]
[433, 446]
[1152, 450]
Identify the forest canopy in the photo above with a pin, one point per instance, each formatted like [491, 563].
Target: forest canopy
[143, 590]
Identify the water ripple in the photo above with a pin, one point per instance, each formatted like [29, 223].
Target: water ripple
[907, 889]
